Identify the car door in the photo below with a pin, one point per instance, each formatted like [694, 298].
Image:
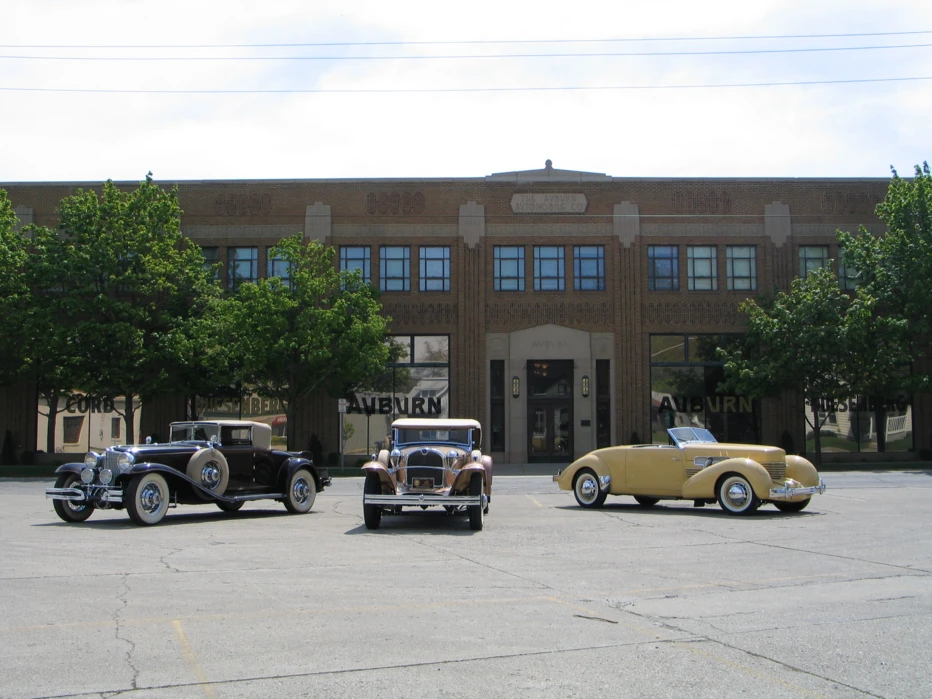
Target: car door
[238, 450]
[655, 470]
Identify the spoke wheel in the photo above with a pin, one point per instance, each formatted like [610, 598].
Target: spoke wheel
[736, 496]
[587, 491]
[301, 493]
[68, 510]
[147, 498]
[372, 514]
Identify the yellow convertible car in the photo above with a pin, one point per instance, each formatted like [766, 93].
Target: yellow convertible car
[741, 477]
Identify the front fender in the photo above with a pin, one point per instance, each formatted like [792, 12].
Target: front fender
[801, 470]
[461, 482]
[293, 464]
[70, 468]
[702, 485]
[385, 478]
[568, 475]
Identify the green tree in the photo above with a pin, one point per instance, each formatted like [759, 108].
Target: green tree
[14, 293]
[795, 341]
[318, 330]
[895, 269]
[134, 289]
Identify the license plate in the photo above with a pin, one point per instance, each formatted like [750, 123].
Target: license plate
[422, 482]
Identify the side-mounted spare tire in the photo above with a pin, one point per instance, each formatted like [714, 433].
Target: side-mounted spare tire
[208, 467]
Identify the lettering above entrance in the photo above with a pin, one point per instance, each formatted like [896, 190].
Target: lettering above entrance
[549, 203]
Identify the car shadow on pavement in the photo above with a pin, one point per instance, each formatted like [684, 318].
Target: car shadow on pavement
[659, 510]
[436, 522]
[177, 519]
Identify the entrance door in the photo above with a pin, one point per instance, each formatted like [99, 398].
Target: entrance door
[550, 437]
[550, 410]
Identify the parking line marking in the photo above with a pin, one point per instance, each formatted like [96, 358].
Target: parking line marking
[532, 500]
[192, 661]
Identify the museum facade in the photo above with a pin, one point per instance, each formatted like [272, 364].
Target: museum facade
[565, 310]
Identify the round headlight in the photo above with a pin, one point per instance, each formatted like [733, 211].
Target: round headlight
[125, 460]
[395, 457]
[90, 460]
[476, 455]
[105, 475]
[87, 476]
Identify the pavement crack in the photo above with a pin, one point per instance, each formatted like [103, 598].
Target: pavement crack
[122, 598]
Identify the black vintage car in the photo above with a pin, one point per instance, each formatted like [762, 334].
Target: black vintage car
[226, 462]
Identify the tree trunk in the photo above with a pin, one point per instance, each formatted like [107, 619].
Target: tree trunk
[129, 410]
[51, 426]
[817, 434]
[291, 421]
[880, 419]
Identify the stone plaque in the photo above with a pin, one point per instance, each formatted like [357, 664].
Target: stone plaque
[549, 203]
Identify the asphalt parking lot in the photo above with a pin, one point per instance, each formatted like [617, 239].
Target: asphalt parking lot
[547, 601]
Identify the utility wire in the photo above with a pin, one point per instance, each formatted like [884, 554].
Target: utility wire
[463, 56]
[459, 89]
[460, 43]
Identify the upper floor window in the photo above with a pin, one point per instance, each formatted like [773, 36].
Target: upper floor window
[395, 268]
[811, 258]
[702, 268]
[847, 276]
[212, 261]
[435, 269]
[243, 266]
[353, 257]
[663, 268]
[742, 267]
[589, 267]
[276, 266]
[548, 268]
[509, 268]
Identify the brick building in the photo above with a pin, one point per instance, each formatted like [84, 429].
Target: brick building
[566, 310]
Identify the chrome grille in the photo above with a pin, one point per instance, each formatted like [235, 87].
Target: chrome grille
[111, 460]
[776, 469]
[421, 465]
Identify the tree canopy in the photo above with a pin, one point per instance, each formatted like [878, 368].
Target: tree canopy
[319, 329]
[13, 292]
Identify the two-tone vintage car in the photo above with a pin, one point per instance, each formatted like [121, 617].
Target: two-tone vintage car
[429, 462]
[741, 477]
[225, 462]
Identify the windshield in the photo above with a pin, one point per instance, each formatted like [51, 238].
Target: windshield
[195, 432]
[425, 436]
[690, 435]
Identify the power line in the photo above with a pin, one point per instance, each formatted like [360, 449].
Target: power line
[565, 88]
[465, 56]
[462, 43]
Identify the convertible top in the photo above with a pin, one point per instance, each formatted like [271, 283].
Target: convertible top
[415, 423]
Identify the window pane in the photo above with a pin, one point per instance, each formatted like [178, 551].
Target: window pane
[548, 268]
[277, 267]
[435, 269]
[663, 268]
[212, 261]
[742, 268]
[589, 267]
[243, 266]
[811, 258]
[354, 258]
[702, 272]
[667, 348]
[509, 268]
[395, 269]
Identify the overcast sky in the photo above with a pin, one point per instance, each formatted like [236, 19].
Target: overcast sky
[462, 89]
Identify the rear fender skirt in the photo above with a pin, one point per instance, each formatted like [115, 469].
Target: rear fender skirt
[565, 479]
[702, 485]
[389, 484]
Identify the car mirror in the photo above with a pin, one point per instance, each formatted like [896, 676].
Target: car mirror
[148, 440]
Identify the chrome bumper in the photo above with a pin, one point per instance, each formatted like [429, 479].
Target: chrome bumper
[94, 494]
[425, 499]
[792, 489]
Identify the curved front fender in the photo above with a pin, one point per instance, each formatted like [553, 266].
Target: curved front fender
[801, 470]
[385, 478]
[702, 485]
[567, 475]
[73, 467]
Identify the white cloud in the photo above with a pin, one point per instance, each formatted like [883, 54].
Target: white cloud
[817, 130]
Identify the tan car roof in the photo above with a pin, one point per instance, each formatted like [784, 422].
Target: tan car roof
[436, 423]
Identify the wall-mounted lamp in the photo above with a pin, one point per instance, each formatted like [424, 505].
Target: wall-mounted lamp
[585, 386]
[515, 386]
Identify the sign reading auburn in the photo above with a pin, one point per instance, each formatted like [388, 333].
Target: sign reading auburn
[549, 203]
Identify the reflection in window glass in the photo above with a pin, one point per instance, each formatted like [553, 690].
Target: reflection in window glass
[667, 348]
[395, 268]
[742, 267]
[355, 257]
[663, 268]
[508, 274]
[243, 266]
[811, 258]
[548, 268]
[431, 348]
[702, 268]
[435, 269]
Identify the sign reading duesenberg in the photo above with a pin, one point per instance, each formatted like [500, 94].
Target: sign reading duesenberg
[549, 203]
